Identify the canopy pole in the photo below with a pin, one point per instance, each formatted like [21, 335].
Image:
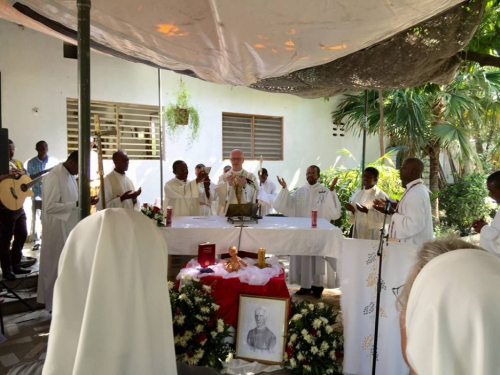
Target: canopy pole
[83, 108]
[160, 127]
[365, 126]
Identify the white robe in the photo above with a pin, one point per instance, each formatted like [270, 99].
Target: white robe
[367, 226]
[183, 197]
[227, 195]
[59, 217]
[205, 202]
[112, 311]
[267, 195]
[115, 185]
[490, 236]
[308, 270]
[412, 221]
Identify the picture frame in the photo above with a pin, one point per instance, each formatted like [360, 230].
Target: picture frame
[262, 328]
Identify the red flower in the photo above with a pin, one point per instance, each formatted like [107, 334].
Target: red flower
[181, 333]
[210, 323]
[305, 362]
[190, 354]
[201, 338]
[177, 312]
[145, 205]
[156, 209]
[313, 332]
[339, 354]
[289, 351]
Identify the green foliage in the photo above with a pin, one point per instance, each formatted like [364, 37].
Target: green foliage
[486, 40]
[199, 337]
[315, 342]
[176, 114]
[350, 181]
[464, 201]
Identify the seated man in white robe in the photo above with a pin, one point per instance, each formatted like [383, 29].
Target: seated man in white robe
[59, 217]
[490, 234]
[411, 219]
[267, 194]
[367, 220]
[183, 195]
[119, 190]
[206, 191]
[236, 179]
[308, 271]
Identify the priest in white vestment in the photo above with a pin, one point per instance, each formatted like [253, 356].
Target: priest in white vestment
[366, 220]
[309, 271]
[236, 176]
[183, 195]
[490, 234]
[267, 194]
[112, 311]
[119, 190]
[206, 192]
[411, 219]
[59, 217]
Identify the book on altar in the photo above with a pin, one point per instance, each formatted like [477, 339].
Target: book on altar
[206, 254]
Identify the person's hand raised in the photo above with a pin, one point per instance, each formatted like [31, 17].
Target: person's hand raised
[201, 176]
[281, 182]
[362, 208]
[127, 195]
[230, 179]
[242, 181]
[350, 207]
[333, 183]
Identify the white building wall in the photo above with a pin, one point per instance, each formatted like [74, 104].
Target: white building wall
[35, 75]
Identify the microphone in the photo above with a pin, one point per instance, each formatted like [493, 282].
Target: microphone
[387, 206]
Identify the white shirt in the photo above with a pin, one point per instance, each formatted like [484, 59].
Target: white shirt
[205, 202]
[367, 226]
[115, 185]
[267, 195]
[183, 197]
[227, 195]
[59, 217]
[412, 221]
[490, 236]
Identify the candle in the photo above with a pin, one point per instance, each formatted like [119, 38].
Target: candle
[260, 169]
[96, 124]
[261, 260]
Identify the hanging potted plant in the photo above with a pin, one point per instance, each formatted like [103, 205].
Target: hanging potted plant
[181, 114]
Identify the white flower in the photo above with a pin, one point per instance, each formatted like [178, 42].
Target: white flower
[297, 317]
[320, 305]
[182, 297]
[304, 332]
[199, 328]
[307, 368]
[205, 310]
[215, 307]
[199, 353]
[308, 338]
[198, 299]
[329, 371]
[207, 288]
[220, 326]
[195, 279]
[311, 306]
[304, 311]
[314, 350]
[203, 342]
[170, 285]
[186, 277]
[318, 333]
[177, 339]
[293, 362]
[300, 357]
[317, 323]
[229, 357]
[324, 346]
[179, 319]
[292, 339]
[329, 329]
[214, 334]
[324, 320]
[332, 354]
[199, 317]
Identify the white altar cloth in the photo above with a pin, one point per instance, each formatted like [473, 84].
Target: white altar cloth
[359, 293]
[278, 235]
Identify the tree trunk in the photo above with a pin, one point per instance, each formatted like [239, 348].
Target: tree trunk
[438, 108]
[381, 128]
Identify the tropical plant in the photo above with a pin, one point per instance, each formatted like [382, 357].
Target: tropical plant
[180, 113]
[464, 201]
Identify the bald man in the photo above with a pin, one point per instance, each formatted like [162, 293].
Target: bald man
[247, 181]
[119, 190]
[261, 338]
[411, 217]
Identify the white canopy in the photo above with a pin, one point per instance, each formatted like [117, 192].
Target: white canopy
[235, 42]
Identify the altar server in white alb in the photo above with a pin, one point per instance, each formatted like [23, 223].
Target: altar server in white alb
[206, 192]
[59, 217]
[267, 193]
[119, 190]
[367, 221]
[183, 195]
[490, 234]
[411, 219]
[112, 311]
[309, 271]
[236, 180]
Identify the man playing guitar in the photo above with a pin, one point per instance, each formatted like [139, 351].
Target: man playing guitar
[12, 223]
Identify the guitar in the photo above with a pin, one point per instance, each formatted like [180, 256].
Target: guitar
[13, 192]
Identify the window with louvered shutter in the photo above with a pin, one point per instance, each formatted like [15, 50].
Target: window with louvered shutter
[136, 125]
[255, 135]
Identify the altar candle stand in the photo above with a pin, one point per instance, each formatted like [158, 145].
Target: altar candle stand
[261, 260]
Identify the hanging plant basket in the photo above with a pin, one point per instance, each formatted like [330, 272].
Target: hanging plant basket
[181, 116]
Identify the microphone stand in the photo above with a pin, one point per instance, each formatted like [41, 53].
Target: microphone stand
[379, 284]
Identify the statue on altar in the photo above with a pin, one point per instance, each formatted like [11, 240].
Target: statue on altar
[233, 263]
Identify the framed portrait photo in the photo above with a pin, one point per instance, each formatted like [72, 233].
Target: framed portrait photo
[262, 326]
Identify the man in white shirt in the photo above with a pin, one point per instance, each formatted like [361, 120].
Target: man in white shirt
[59, 217]
[267, 193]
[367, 221]
[119, 190]
[490, 234]
[308, 271]
[236, 179]
[206, 191]
[183, 195]
[411, 217]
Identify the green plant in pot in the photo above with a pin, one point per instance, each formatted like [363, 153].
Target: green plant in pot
[180, 114]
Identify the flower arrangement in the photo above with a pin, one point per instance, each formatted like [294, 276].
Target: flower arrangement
[315, 345]
[154, 213]
[199, 337]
